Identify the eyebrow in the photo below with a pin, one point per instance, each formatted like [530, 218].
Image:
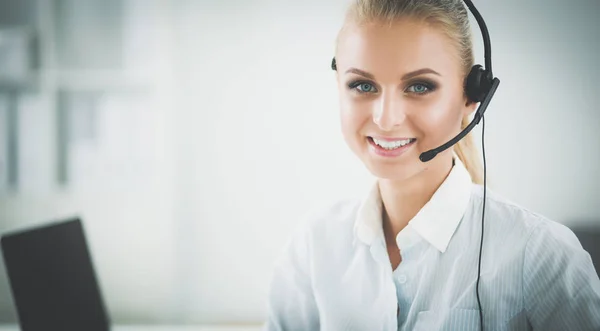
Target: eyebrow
[405, 77]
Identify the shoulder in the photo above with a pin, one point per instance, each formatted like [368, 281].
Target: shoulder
[319, 229]
[507, 214]
[557, 276]
[531, 235]
[331, 215]
[328, 221]
[545, 244]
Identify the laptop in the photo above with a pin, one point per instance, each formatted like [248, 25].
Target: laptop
[52, 278]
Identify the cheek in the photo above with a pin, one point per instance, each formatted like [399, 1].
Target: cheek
[354, 123]
[353, 118]
[439, 121]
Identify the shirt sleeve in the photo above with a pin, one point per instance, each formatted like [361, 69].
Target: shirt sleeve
[291, 302]
[560, 284]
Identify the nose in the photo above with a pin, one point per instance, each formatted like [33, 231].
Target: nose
[389, 113]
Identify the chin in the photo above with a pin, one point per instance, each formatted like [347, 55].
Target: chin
[394, 170]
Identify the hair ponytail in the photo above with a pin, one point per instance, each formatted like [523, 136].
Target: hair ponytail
[467, 152]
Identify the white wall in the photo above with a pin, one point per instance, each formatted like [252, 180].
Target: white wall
[260, 141]
[253, 140]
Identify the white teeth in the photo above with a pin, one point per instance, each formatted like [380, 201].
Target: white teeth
[392, 144]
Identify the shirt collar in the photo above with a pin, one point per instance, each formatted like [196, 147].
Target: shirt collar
[436, 222]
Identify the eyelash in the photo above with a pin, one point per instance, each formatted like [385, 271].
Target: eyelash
[429, 85]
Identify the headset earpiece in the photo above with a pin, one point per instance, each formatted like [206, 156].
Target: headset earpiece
[333, 64]
[478, 83]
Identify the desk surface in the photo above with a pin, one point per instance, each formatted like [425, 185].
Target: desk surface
[11, 327]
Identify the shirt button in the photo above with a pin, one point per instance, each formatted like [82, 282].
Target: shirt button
[402, 279]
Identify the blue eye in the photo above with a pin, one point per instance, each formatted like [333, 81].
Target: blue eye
[366, 87]
[420, 88]
[362, 87]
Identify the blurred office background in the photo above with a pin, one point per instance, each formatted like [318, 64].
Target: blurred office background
[190, 135]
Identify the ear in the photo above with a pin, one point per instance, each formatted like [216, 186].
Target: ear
[469, 107]
[335, 71]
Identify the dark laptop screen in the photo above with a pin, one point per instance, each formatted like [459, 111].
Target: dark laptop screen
[53, 280]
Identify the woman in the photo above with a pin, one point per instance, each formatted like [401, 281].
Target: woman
[406, 257]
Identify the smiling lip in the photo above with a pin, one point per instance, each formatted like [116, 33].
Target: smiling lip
[380, 151]
[389, 138]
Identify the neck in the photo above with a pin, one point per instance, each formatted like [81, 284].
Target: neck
[402, 199]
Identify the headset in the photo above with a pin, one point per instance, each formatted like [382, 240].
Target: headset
[480, 86]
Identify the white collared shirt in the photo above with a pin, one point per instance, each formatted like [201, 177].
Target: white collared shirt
[335, 273]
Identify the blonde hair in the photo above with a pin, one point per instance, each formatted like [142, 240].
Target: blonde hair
[452, 18]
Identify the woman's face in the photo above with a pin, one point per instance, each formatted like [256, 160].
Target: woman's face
[401, 94]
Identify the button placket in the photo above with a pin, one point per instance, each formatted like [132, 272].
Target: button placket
[402, 279]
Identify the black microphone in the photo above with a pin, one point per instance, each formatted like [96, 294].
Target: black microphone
[430, 154]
